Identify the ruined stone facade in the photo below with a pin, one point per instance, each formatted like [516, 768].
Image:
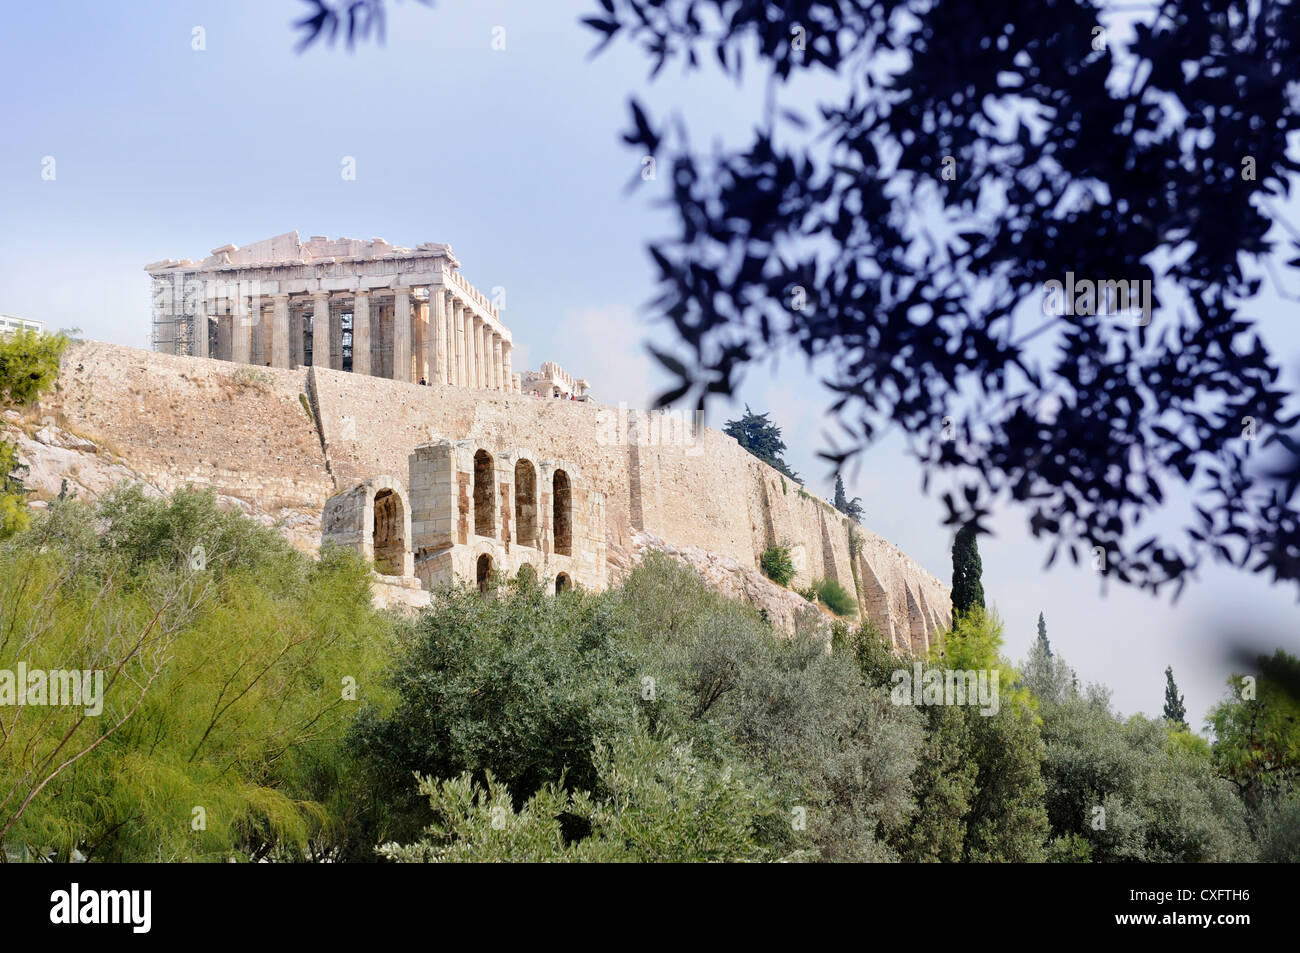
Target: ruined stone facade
[552, 381]
[290, 440]
[374, 518]
[406, 314]
[472, 513]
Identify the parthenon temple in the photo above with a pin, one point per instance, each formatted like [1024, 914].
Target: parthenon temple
[347, 304]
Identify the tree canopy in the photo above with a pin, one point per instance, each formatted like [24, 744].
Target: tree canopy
[761, 437]
[850, 508]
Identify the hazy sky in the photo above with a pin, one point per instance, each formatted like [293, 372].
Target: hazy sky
[513, 157]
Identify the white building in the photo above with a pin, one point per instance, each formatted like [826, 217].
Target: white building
[11, 322]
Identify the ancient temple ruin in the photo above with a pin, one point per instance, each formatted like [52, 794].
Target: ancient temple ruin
[363, 306]
[553, 381]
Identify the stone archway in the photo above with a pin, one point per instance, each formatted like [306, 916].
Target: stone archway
[388, 533]
[483, 572]
[526, 503]
[562, 513]
[485, 507]
[563, 583]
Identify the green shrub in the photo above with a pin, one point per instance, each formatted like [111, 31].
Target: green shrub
[661, 803]
[233, 666]
[658, 720]
[833, 596]
[810, 593]
[777, 564]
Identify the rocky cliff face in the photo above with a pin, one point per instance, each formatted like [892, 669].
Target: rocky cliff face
[785, 609]
[58, 461]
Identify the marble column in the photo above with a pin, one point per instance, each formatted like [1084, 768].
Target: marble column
[297, 346]
[506, 371]
[224, 329]
[361, 332]
[320, 329]
[480, 375]
[280, 331]
[402, 334]
[449, 310]
[200, 345]
[497, 377]
[476, 336]
[471, 356]
[469, 345]
[419, 339]
[241, 338]
[437, 336]
[461, 372]
[336, 340]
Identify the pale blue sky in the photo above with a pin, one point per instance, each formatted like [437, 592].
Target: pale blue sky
[513, 156]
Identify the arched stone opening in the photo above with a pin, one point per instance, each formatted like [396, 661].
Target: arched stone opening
[485, 510]
[483, 572]
[389, 540]
[525, 503]
[563, 583]
[562, 508]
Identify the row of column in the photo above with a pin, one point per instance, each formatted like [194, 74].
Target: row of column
[462, 349]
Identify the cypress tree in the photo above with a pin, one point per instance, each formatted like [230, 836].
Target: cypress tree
[850, 508]
[967, 586]
[1175, 710]
[1042, 636]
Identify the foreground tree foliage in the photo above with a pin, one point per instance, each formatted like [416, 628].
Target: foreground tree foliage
[1133, 791]
[661, 687]
[661, 804]
[224, 652]
[676, 725]
[255, 706]
[1258, 728]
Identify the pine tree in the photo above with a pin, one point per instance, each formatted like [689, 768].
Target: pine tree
[762, 438]
[1042, 635]
[967, 586]
[1175, 711]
